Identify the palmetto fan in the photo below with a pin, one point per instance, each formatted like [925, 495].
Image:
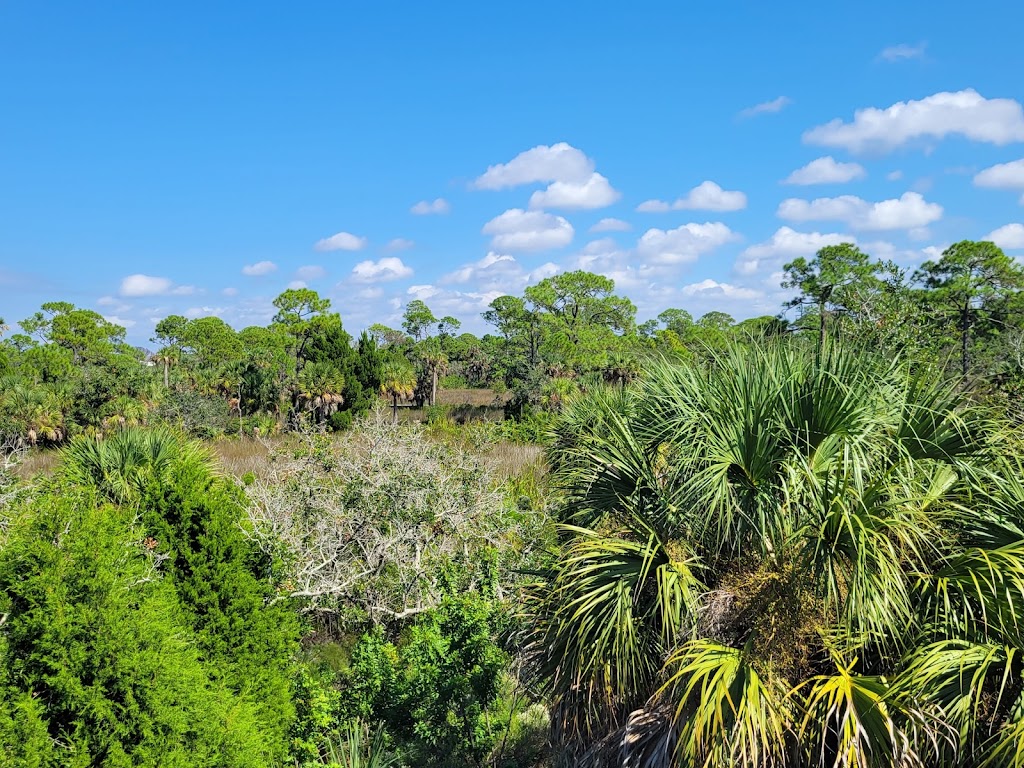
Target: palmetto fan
[784, 559]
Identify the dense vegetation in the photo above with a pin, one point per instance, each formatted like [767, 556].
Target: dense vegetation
[793, 541]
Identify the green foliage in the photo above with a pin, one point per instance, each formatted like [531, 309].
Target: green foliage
[97, 667]
[780, 559]
[437, 689]
[194, 522]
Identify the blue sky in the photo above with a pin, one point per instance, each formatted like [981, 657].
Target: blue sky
[198, 158]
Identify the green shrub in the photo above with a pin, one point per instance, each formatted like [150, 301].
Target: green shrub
[99, 668]
[453, 381]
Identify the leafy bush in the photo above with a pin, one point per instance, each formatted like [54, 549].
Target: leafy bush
[97, 664]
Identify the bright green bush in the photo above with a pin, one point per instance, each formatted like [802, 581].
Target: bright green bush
[98, 668]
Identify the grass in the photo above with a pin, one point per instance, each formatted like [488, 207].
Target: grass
[38, 461]
[478, 397]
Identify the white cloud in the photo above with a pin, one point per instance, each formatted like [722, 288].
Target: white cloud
[683, 244]
[399, 244]
[259, 268]
[559, 162]
[122, 321]
[194, 312]
[611, 225]
[825, 170]
[342, 241]
[706, 196]
[310, 272]
[519, 230]
[106, 301]
[1002, 176]
[595, 192]
[767, 107]
[230, 291]
[388, 268]
[427, 207]
[786, 243]
[965, 113]
[297, 285]
[1009, 236]
[894, 175]
[907, 212]
[145, 285]
[498, 273]
[472, 271]
[711, 288]
[902, 52]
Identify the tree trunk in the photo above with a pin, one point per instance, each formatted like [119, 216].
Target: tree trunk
[394, 410]
[964, 333]
[167, 369]
[821, 327]
[433, 386]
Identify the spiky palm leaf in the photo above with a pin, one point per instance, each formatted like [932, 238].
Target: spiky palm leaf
[122, 465]
[841, 507]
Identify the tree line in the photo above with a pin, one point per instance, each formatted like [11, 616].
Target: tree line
[67, 370]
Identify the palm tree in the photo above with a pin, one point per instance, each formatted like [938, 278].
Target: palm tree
[620, 369]
[780, 560]
[320, 386]
[167, 357]
[397, 380]
[123, 411]
[436, 363]
[34, 414]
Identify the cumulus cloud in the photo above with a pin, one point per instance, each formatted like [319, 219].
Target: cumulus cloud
[786, 243]
[1003, 176]
[963, 113]
[825, 170]
[907, 212]
[383, 270]
[711, 288]
[124, 322]
[310, 272]
[611, 225]
[902, 52]
[342, 241]
[498, 272]
[473, 270]
[767, 107]
[519, 230]
[558, 162]
[399, 244]
[449, 301]
[427, 207]
[259, 268]
[297, 285]
[145, 285]
[194, 312]
[1009, 236]
[595, 192]
[682, 244]
[706, 196]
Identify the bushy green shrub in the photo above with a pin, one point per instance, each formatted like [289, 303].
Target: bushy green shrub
[98, 667]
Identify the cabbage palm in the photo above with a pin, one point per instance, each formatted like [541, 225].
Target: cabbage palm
[397, 379]
[320, 386]
[784, 559]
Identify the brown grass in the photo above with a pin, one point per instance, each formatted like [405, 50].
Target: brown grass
[509, 460]
[471, 397]
[38, 461]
